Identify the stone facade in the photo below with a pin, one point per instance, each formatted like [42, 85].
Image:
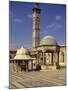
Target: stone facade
[50, 55]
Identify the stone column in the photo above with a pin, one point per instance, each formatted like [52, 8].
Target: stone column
[32, 65]
[52, 58]
[11, 65]
[37, 58]
[15, 68]
[57, 62]
[63, 56]
[26, 63]
[43, 58]
[17, 65]
[58, 57]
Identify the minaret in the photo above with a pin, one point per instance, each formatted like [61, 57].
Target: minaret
[36, 26]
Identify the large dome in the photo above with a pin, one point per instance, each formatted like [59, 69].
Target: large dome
[48, 40]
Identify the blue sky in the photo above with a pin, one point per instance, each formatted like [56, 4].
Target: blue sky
[52, 22]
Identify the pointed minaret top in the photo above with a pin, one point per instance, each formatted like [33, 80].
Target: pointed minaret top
[36, 5]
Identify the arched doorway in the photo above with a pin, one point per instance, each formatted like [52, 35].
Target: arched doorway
[49, 57]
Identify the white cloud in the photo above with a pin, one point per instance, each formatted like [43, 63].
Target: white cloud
[58, 18]
[17, 20]
[14, 18]
[58, 26]
[29, 16]
[54, 26]
[51, 25]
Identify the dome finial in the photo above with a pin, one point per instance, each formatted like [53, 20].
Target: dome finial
[22, 46]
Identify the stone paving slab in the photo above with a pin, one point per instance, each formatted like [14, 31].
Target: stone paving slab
[37, 79]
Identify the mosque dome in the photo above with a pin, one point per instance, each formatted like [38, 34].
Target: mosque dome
[48, 40]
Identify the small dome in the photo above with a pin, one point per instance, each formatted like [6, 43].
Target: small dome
[48, 40]
[21, 51]
[22, 54]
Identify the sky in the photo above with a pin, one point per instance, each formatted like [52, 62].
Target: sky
[52, 22]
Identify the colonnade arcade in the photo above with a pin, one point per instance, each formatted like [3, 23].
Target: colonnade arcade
[48, 57]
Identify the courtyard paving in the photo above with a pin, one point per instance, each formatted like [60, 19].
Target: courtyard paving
[32, 79]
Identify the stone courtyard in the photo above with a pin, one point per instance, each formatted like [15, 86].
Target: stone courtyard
[32, 79]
